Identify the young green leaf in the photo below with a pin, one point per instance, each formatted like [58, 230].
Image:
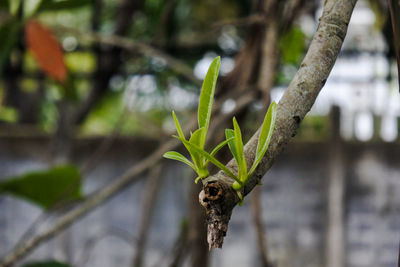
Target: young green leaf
[194, 155]
[210, 158]
[179, 157]
[178, 126]
[207, 95]
[267, 128]
[239, 149]
[196, 139]
[230, 135]
[220, 145]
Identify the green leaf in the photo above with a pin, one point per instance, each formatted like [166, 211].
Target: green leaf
[267, 128]
[179, 157]
[211, 159]
[207, 96]
[51, 5]
[241, 161]
[220, 145]
[178, 126]
[14, 6]
[195, 138]
[46, 188]
[230, 135]
[50, 263]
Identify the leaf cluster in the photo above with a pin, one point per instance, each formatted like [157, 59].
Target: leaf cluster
[195, 144]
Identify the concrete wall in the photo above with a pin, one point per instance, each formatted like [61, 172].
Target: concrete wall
[294, 200]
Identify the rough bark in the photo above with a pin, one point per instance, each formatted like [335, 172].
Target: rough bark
[217, 195]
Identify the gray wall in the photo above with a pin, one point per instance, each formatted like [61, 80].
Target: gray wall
[294, 201]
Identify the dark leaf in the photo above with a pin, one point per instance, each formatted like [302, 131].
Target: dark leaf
[46, 188]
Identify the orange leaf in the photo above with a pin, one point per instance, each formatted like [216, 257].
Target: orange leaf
[46, 50]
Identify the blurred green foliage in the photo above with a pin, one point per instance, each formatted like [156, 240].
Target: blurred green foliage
[190, 23]
[292, 46]
[46, 188]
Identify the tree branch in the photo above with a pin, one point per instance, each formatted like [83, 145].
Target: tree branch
[217, 196]
[137, 47]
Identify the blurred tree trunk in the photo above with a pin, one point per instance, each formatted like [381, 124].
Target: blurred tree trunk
[166, 28]
[335, 194]
[109, 59]
[26, 103]
[150, 193]
[259, 228]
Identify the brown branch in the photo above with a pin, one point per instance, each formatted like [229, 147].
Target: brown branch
[108, 58]
[137, 47]
[217, 196]
[240, 22]
[104, 233]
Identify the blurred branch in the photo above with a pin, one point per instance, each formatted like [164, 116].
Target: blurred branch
[150, 193]
[166, 24]
[241, 22]
[92, 242]
[138, 47]
[109, 59]
[105, 144]
[259, 227]
[180, 247]
[120, 183]
[335, 240]
[218, 196]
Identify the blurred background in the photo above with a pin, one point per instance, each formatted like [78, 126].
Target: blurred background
[86, 92]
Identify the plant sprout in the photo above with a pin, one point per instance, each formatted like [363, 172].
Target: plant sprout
[195, 144]
[235, 143]
[236, 147]
[198, 138]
